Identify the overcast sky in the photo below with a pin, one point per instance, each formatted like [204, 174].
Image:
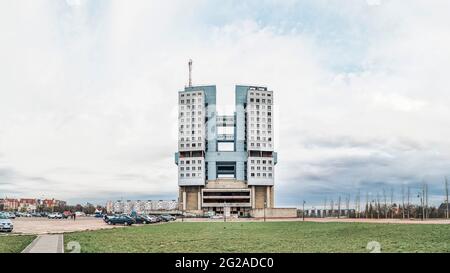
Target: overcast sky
[88, 92]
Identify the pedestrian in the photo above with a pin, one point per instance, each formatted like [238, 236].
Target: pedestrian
[74, 216]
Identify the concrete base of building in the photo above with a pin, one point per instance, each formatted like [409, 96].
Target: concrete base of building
[225, 196]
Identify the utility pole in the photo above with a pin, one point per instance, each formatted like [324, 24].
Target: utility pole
[324, 208]
[446, 197]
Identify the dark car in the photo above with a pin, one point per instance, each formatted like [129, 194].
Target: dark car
[141, 219]
[167, 218]
[119, 219]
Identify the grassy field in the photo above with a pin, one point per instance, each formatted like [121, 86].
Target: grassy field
[265, 237]
[14, 244]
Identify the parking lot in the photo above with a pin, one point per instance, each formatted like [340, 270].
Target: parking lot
[33, 225]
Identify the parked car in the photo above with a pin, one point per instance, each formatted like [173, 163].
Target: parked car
[5, 223]
[119, 219]
[141, 219]
[168, 217]
[36, 214]
[55, 215]
[153, 219]
[11, 215]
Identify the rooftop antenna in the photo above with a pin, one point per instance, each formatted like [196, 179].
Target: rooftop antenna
[190, 72]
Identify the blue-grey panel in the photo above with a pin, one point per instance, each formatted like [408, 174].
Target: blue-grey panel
[241, 100]
[226, 156]
[177, 157]
[212, 175]
[240, 170]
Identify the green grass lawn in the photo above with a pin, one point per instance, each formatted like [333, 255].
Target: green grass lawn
[265, 237]
[14, 243]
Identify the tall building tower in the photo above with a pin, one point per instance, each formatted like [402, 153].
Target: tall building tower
[225, 163]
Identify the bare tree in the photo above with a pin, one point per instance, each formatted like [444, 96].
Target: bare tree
[403, 201]
[347, 205]
[339, 207]
[332, 207]
[385, 203]
[358, 204]
[392, 203]
[446, 197]
[378, 205]
[409, 196]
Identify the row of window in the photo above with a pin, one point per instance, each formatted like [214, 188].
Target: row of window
[261, 175]
[258, 138]
[191, 107]
[189, 113]
[188, 175]
[187, 132]
[188, 94]
[259, 132]
[193, 168]
[252, 100]
[192, 139]
[262, 94]
[259, 145]
[189, 101]
[258, 107]
[191, 145]
[258, 119]
[263, 113]
[258, 125]
[191, 161]
[259, 168]
[187, 126]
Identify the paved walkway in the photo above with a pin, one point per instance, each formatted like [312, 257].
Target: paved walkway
[46, 244]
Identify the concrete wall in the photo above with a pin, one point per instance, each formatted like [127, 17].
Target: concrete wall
[274, 213]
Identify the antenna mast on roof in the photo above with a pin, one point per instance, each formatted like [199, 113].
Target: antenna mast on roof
[190, 72]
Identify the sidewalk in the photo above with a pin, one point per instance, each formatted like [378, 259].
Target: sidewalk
[46, 244]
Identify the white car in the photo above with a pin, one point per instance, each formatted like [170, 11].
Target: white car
[5, 223]
[55, 215]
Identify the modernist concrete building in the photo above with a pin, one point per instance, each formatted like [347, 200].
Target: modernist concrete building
[225, 163]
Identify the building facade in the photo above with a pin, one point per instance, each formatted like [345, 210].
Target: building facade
[30, 204]
[225, 162]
